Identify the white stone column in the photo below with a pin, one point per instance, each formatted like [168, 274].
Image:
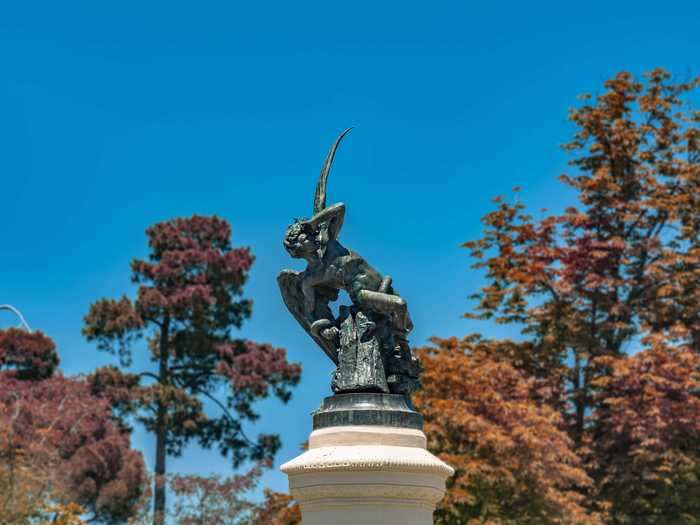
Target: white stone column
[365, 475]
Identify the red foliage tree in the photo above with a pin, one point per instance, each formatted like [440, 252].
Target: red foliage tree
[59, 444]
[188, 301]
[30, 355]
[646, 436]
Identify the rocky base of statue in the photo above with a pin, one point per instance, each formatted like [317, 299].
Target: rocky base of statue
[367, 463]
[373, 356]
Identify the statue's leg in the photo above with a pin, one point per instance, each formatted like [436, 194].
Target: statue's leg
[387, 304]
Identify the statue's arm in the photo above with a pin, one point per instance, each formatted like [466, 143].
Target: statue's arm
[333, 216]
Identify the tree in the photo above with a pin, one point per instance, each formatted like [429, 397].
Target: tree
[586, 282]
[62, 455]
[277, 509]
[188, 301]
[29, 355]
[646, 437]
[620, 271]
[210, 500]
[207, 500]
[513, 463]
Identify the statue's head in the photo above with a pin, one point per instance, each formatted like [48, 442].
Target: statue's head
[308, 238]
[301, 240]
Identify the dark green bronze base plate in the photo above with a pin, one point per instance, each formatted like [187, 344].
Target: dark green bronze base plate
[388, 410]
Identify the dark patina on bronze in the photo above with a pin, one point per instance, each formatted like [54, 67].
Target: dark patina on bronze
[367, 408]
[367, 340]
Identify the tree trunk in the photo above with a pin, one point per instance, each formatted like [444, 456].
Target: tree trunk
[161, 432]
[159, 483]
[579, 402]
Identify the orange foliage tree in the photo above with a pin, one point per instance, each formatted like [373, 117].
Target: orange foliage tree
[619, 271]
[513, 463]
[625, 262]
[276, 509]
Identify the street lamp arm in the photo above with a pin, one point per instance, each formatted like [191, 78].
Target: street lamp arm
[18, 314]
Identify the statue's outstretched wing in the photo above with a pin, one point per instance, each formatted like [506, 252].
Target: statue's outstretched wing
[290, 285]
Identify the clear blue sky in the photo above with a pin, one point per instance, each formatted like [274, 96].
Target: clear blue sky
[116, 115]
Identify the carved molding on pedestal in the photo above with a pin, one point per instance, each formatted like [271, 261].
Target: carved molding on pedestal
[371, 474]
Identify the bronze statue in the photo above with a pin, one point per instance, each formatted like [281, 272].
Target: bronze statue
[367, 341]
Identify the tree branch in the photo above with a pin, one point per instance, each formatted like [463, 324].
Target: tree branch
[150, 374]
[226, 413]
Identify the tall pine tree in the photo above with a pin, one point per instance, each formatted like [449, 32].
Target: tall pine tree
[189, 300]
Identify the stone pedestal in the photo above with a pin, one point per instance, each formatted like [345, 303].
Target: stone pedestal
[375, 472]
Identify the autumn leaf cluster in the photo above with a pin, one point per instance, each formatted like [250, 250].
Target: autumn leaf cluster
[600, 391]
[62, 454]
[514, 463]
